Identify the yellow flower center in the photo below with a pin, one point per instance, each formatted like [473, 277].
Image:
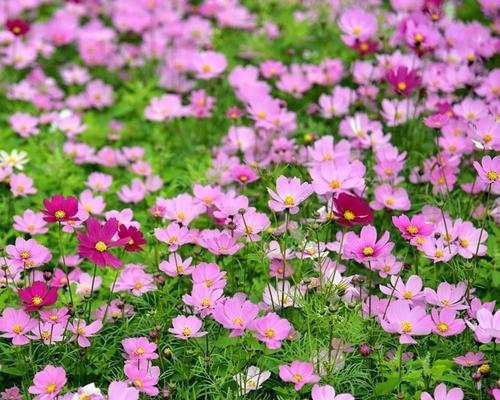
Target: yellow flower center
[412, 230]
[487, 138]
[492, 176]
[249, 229]
[45, 335]
[207, 199]
[181, 215]
[398, 116]
[243, 178]
[261, 115]
[186, 332]
[368, 251]
[408, 295]
[419, 38]
[289, 201]
[442, 327]
[298, 377]
[138, 383]
[208, 283]
[53, 317]
[420, 240]
[37, 300]
[406, 326]
[207, 68]
[140, 350]
[270, 333]
[51, 388]
[471, 116]
[438, 254]
[402, 86]
[389, 171]
[349, 215]
[205, 302]
[389, 201]
[387, 268]
[356, 30]
[335, 184]
[464, 243]
[17, 328]
[238, 321]
[80, 331]
[251, 383]
[60, 214]
[101, 246]
[138, 285]
[25, 255]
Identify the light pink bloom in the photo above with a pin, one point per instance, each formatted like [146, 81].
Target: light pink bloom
[176, 266]
[387, 196]
[252, 379]
[488, 327]
[271, 329]
[28, 253]
[139, 349]
[365, 247]
[489, 170]
[82, 331]
[289, 194]
[445, 322]
[447, 296]
[210, 64]
[143, 377]
[174, 235]
[30, 222]
[300, 373]
[48, 383]
[406, 321]
[327, 392]
[186, 327]
[440, 393]
[471, 359]
[16, 324]
[411, 291]
[122, 391]
[21, 185]
[202, 298]
[236, 314]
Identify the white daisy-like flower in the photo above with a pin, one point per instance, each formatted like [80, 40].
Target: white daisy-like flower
[16, 159]
[252, 379]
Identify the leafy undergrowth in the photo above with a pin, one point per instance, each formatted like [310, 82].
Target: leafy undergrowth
[269, 200]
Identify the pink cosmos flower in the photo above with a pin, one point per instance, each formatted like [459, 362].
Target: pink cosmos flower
[357, 25]
[186, 327]
[139, 349]
[48, 383]
[24, 124]
[403, 80]
[175, 266]
[94, 245]
[447, 296]
[16, 324]
[210, 64]
[365, 247]
[236, 314]
[30, 222]
[445, 322]
[87, 283]
[37, 295]
[471, 359]
[168, 106]
[144, 377]
[243, 174]
[488, 327]
[133, 194]
[82, 331]
[48, 333]
[388, 265]
[415, 228]
[122, 391]
[55, 315]
[489, 171]
[271, 329]
[60, 209]
[202, 298]
[300, 373]
[28, 253]
[289, 194]
[437, 250]
[99, 182]
[406, 321]
[90, 203]
[135, 280]
[411, 292]
[219, 242]
[387, 196]
[440, 393]
[182, 209]
[12, 393]
[210, 275]
[251, 223]
[337, 176]
[327, 392]
[21, 185]
[174, 235]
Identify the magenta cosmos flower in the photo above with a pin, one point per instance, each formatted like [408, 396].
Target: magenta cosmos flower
[17, 26]
[406, 321]
[440, 393]
[94, 246]
[365, 247]
[351, 210]
[47, 384]
[489, 170]
[139, 349]
[37, 295]
[403, 80]
[135, 236]
[289, 194]
[300, 373]
[60, 209]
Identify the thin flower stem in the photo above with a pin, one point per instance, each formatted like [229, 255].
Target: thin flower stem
[61, 252]
[91, 292]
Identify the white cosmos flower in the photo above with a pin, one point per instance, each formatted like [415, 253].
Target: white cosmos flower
[87, 392]
[252, 379]
[16, 159]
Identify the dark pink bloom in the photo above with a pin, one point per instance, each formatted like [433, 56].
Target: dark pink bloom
[60, 209]
[94, 246]
[403, 80]
[351, 210]
[37, 295]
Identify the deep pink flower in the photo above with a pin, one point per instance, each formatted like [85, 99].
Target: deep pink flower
[300, 373]
[18, 27]
[403, 80]
[414, 228]
[94, 246]
[351, 210]
[37, 295]
[135, 236]
[60, 209]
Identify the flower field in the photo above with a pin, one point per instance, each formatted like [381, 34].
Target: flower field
[249, 199]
